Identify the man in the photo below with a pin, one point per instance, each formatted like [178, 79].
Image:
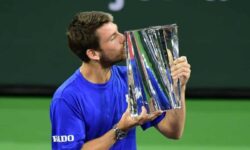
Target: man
[89, 110]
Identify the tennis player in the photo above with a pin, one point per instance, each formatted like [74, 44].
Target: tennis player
[89, 110]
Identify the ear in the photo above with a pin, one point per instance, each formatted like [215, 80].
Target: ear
[93, 54]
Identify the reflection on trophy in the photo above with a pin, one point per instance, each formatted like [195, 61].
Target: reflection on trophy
[150, 52]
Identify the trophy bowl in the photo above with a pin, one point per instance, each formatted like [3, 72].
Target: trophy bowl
[150, 53]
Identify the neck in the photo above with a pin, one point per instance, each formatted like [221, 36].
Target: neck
[95, 73]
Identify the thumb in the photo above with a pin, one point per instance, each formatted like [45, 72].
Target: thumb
[129, 105]
[170, 57]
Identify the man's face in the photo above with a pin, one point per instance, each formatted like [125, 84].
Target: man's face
[111, 44]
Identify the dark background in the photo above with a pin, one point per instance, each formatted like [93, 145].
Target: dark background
[213, 34]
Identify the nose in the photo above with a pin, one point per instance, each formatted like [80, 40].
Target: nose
[122, 37]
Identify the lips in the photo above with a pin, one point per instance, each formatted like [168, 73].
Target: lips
[123, 47]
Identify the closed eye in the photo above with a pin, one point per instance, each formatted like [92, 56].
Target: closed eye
[113, 36]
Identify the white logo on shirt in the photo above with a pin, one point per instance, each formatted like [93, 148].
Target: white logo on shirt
[63, 138]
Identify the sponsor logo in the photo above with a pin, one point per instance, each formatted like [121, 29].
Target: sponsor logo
[63, 138]
[117, 5]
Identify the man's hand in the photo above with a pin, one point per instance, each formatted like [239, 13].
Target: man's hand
[127, 121]
[180, 69]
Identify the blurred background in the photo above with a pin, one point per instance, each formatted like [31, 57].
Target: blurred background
[213, 34]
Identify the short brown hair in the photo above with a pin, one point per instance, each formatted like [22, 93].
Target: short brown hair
[82, 32]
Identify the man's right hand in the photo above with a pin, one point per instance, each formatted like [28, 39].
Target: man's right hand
[127, 121]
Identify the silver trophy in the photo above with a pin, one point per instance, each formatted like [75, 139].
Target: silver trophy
[150, 52]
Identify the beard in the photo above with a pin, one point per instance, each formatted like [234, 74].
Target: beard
[107, 62]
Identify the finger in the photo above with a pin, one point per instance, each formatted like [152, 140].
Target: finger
[128, 105]
[170, 57]
[180, 70]
[143, 117]
[155, 114]
[179, 66]
[180, 59]
[184, 77]
[143, 112]
[153, 117]
[180, 75]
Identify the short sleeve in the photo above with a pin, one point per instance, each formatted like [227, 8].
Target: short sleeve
[154, 122]
[68, 129]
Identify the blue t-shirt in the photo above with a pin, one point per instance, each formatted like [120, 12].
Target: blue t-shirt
[81, 111]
